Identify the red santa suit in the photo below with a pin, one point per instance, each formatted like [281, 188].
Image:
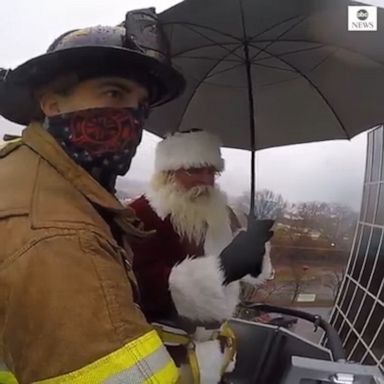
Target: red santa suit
[164, 253]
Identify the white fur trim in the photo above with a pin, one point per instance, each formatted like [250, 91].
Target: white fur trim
[156, 201]
[266, 270]
[219, 236]
[188, 150]
[211, 360]
[204, 334]
[197, 290]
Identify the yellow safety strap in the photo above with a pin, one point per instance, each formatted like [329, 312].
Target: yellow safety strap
[225, 333]
[230, 345]
[142, 361]
[188, 343]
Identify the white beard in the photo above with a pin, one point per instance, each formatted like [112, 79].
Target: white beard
[198, 215]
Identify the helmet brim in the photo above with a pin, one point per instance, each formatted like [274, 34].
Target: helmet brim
[18, 104]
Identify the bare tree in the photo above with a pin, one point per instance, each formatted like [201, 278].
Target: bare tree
[333, 280]
[299, 278]
[268, 204]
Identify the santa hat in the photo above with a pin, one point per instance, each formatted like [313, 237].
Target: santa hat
[191, 149]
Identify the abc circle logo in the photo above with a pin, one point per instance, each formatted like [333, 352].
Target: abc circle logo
[362, 14]
[362, 18]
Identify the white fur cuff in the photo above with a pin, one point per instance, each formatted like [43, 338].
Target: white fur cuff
[197, 290]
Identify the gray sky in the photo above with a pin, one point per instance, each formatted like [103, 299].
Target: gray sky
[329, 171]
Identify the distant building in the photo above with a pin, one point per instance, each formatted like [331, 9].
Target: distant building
[358, 315]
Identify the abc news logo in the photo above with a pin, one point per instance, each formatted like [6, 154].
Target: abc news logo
[362, 18]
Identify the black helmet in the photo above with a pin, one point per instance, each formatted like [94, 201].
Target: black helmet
[137, 48]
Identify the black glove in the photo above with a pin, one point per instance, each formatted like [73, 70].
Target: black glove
[244, 255]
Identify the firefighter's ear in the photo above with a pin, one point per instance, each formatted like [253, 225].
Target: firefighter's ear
[49, 103]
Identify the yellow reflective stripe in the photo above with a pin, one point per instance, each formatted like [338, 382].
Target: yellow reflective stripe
[7, 377]
[163, 375]
[144, 360]
[147, 368]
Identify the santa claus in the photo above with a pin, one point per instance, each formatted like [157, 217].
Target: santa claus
[191, 264]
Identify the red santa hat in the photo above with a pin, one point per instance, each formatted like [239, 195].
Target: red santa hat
[190, 149]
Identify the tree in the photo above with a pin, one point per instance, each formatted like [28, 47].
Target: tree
[333, 280]
[334, 222]
[299, 279]
[268, 204]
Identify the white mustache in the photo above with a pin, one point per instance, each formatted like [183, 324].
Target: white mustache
[199, 191]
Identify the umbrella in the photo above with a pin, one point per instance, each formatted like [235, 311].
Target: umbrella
[266, 73]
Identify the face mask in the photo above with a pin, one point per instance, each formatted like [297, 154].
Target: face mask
[100, 138]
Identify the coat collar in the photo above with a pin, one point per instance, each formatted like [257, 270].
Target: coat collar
[41, 142]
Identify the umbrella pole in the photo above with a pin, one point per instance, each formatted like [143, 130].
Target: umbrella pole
[252, 126]
[252, 123]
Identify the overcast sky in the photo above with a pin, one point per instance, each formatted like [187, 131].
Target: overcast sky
[328, 171]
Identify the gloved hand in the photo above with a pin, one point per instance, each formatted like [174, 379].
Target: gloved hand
[244, 255]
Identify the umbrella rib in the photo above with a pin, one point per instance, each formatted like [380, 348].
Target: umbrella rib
[349, 49]
[200, 82]
[256, 62]
[186, 23]
[323, 60]
[240, 64]
[282, 81]
[171, 33]
[281, 35]
[223, 71]
[275, 25]
[315, 87]
[209, 59]
[216, 43]
[274, 67]
[238, 39]
[179, 54]
[290, 52]
[172, 24]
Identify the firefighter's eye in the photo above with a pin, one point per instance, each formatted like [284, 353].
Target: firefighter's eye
[116, 94]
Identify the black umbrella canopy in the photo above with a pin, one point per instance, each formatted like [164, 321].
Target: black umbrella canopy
[310, 78]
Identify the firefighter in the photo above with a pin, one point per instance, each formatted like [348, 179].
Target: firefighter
[68, 297]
